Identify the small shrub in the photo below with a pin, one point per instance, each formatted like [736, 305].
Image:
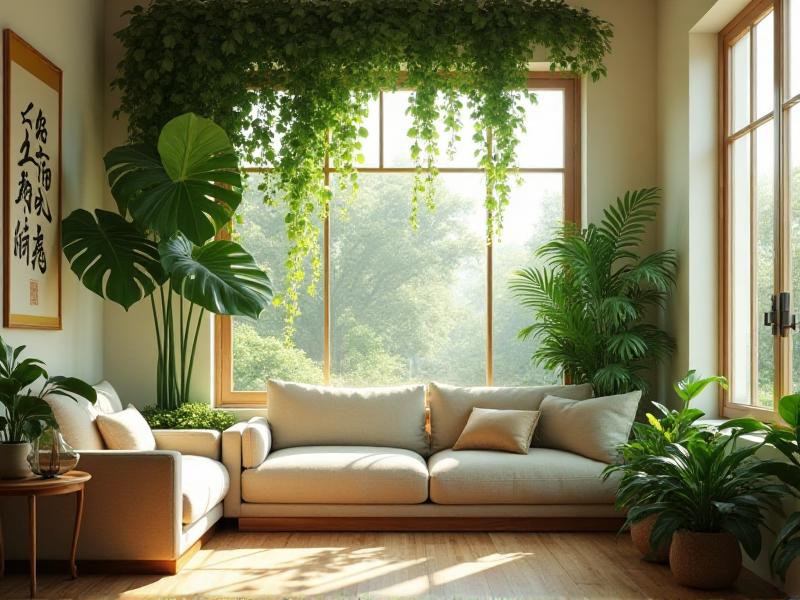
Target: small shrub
[191, 415]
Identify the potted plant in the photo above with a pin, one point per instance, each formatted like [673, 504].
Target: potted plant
[785, 437]
[173, 200]
[710, 496]
[651, 438]
[27, 414]
[591, 297]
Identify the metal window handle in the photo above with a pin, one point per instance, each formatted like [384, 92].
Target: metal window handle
[779, 317]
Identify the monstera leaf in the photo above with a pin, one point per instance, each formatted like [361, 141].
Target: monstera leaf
[219, 276]
[111, 256]
[189, 183]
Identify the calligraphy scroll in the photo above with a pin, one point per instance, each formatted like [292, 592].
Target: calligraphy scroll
[32, 187]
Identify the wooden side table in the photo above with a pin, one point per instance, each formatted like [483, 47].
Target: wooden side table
[69, 483]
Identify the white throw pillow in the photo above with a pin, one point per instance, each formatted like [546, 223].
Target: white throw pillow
[108, 400]
[126, 430]
[76, 422]
[592, 428]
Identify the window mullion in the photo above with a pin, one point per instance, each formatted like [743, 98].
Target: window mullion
[489, 286]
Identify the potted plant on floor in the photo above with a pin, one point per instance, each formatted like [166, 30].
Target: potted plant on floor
[710, 496]
[27, 414]
[651, 438]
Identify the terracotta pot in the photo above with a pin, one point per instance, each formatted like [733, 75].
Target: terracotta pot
[640, 534]
[708, 561]
[14, 460]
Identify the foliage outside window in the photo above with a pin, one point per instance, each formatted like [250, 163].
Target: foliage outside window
[410, 304]
[305, 72]
[760, 247]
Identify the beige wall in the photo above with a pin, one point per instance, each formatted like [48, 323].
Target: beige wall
[71, 35]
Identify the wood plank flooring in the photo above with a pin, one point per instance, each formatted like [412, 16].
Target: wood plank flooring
[381, 565]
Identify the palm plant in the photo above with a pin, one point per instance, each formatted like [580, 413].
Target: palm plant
[172, 200]
[591, 298]
[705, 486]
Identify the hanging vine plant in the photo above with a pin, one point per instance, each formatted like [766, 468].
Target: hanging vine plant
[304, 71]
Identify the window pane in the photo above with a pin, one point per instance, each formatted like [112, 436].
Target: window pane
[794, 240]
[536, 207]
[765, 75]
[793, 52]
[741, 313]
[409, 306]
[740, 83]
[397, 144]
[259, 349]
[542, 144]
[765, 265]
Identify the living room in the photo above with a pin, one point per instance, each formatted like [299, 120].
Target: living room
[417, 298]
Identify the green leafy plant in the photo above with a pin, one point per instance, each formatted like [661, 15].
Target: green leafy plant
[786, 439]
[192, 415]
[172, 199]
[291, 80]
[653, 437]
[707, 486]
[592, 295]
[27, 414]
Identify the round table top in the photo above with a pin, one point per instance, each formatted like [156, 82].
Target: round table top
[31, 485]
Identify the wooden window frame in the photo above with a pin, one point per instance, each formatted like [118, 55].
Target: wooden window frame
[227, 396]
[740, 26]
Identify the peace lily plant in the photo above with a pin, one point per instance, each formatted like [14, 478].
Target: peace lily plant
[173, 199]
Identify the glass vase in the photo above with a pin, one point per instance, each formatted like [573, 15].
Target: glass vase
[51, 456]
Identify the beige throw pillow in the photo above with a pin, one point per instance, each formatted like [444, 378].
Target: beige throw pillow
[503, 430]
[592, 428]
[451, 406]
[126, 430]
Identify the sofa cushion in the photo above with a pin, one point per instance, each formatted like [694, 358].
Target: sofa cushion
[592, 428]
[204, 483]
[543, 476]
[108, 400]
[451, 406]
[126, 430]
[76, 422]
[501, 430]
[256, 442]
[338, 475]
[309, 415]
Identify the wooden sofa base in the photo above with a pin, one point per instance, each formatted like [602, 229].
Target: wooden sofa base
[531, 524]
[133, 567]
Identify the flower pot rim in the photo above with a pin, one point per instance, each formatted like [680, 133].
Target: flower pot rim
[13, 443]
[703, 533]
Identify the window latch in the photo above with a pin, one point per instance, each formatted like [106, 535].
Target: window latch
[787, 320]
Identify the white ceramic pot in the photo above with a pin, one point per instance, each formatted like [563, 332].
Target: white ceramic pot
[14, 460]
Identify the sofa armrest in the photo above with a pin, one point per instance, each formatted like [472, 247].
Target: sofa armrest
[232, 459]
[198, 442]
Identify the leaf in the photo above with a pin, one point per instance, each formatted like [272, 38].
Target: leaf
[789, 409]
[219, 276]
[111, 257]
[190, 183]
[73, 385]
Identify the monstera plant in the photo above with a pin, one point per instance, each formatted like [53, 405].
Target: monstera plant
[173, 199]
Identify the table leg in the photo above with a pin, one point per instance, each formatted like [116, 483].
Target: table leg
[2, 553]
[76, 532]
[32, 515]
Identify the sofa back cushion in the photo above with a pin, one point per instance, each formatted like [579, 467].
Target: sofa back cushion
[451, 406]
[592, 428]
[310, 415]
[77, 419]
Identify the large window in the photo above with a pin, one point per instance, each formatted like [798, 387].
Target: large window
[395, 304]
[760, 224]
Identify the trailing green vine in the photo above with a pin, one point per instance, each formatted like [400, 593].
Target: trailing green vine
[305, 70]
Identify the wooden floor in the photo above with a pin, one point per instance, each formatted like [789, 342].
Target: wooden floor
[455, 565]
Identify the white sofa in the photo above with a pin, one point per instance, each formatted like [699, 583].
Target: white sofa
[144, 511]
[334, 458]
